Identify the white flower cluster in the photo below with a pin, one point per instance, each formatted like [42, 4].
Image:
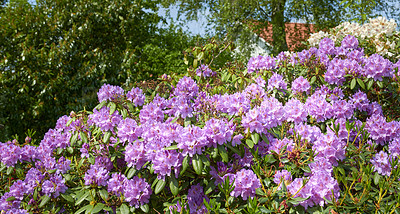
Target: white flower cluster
[377, 30]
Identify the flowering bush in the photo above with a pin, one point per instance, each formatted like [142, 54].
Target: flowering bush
[301, 132]
[379, 35]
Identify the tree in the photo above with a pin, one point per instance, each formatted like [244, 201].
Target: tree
[235, 17]
[56, 54]
[244, 18]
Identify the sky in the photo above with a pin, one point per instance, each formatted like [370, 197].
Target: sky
[193, 27]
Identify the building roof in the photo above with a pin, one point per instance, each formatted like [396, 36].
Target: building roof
[296, 33]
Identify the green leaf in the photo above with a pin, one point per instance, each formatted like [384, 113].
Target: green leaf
[353, 83]
[82, 198]
[113, 106]
[160, 186]
[68, 198]
[70, 150]
[313, 79]
[250, 143]
[10, 170]
[173, 147]
[370, 83]
[74, 138]
[131, 172]
[124, 209]
[255, 137]
[87, 207]
[185, 164]
[376, 178]
[107, 136]
[209, 188]
[99, 207]
[12, 198]
[145, 208]
[265, 139]
[223, 153]
[380, 84]
[103, 194]
[234, 149]
[361, 83]
[83, 137]
[35, 194]
[197, 164]
[101, 105]
[200, 56]
[44, 199]
[174, 185]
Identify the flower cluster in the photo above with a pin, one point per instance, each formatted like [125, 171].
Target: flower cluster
[376, 29]
[137, 191]
[260, 63]
[110, 92]
[195, 199]
[204, 71]
[103, 119]
[300, 84]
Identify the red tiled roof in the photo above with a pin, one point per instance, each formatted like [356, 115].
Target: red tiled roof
[296, 33]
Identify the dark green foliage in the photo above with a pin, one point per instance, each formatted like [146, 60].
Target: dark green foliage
[55, 55]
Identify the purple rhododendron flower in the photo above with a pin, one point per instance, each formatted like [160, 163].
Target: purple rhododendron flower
[295, 111]
[381, 162]
[259, 63]
[128, 130]
[330, 147]
[246, 183]
[218, 131]
[195, 199]
[318, 107]
[380, 130]
[192, 140]
[360, 101]
[394, 148]
[151, 113]
[327, 46]
[300, 85]
[135, 154]
[276, 81]
[63, 165]
[377, 67]
[204, 71]
[282, 176]
[277, 145]
[136, 96]
[137, 191]
[97, 176]
[109, 92]
[342, 109]
[164, 161]
[116, 184]
[268, 115]
[350, 41]
[10, 153]
[103, 119]
[186, 88]
[54, 186]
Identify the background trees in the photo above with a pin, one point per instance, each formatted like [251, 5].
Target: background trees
[240, 19]
[56, 54]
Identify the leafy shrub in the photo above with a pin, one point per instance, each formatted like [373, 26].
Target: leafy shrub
[55, 55]
[296, 133]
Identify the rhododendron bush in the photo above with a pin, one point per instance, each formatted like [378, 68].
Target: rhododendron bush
[379, 35]
[303, 132]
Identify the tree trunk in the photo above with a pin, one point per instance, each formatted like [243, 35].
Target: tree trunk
[278, 26]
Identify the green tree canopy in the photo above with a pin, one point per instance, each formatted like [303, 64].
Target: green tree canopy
[56, 54]
[233, 18]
